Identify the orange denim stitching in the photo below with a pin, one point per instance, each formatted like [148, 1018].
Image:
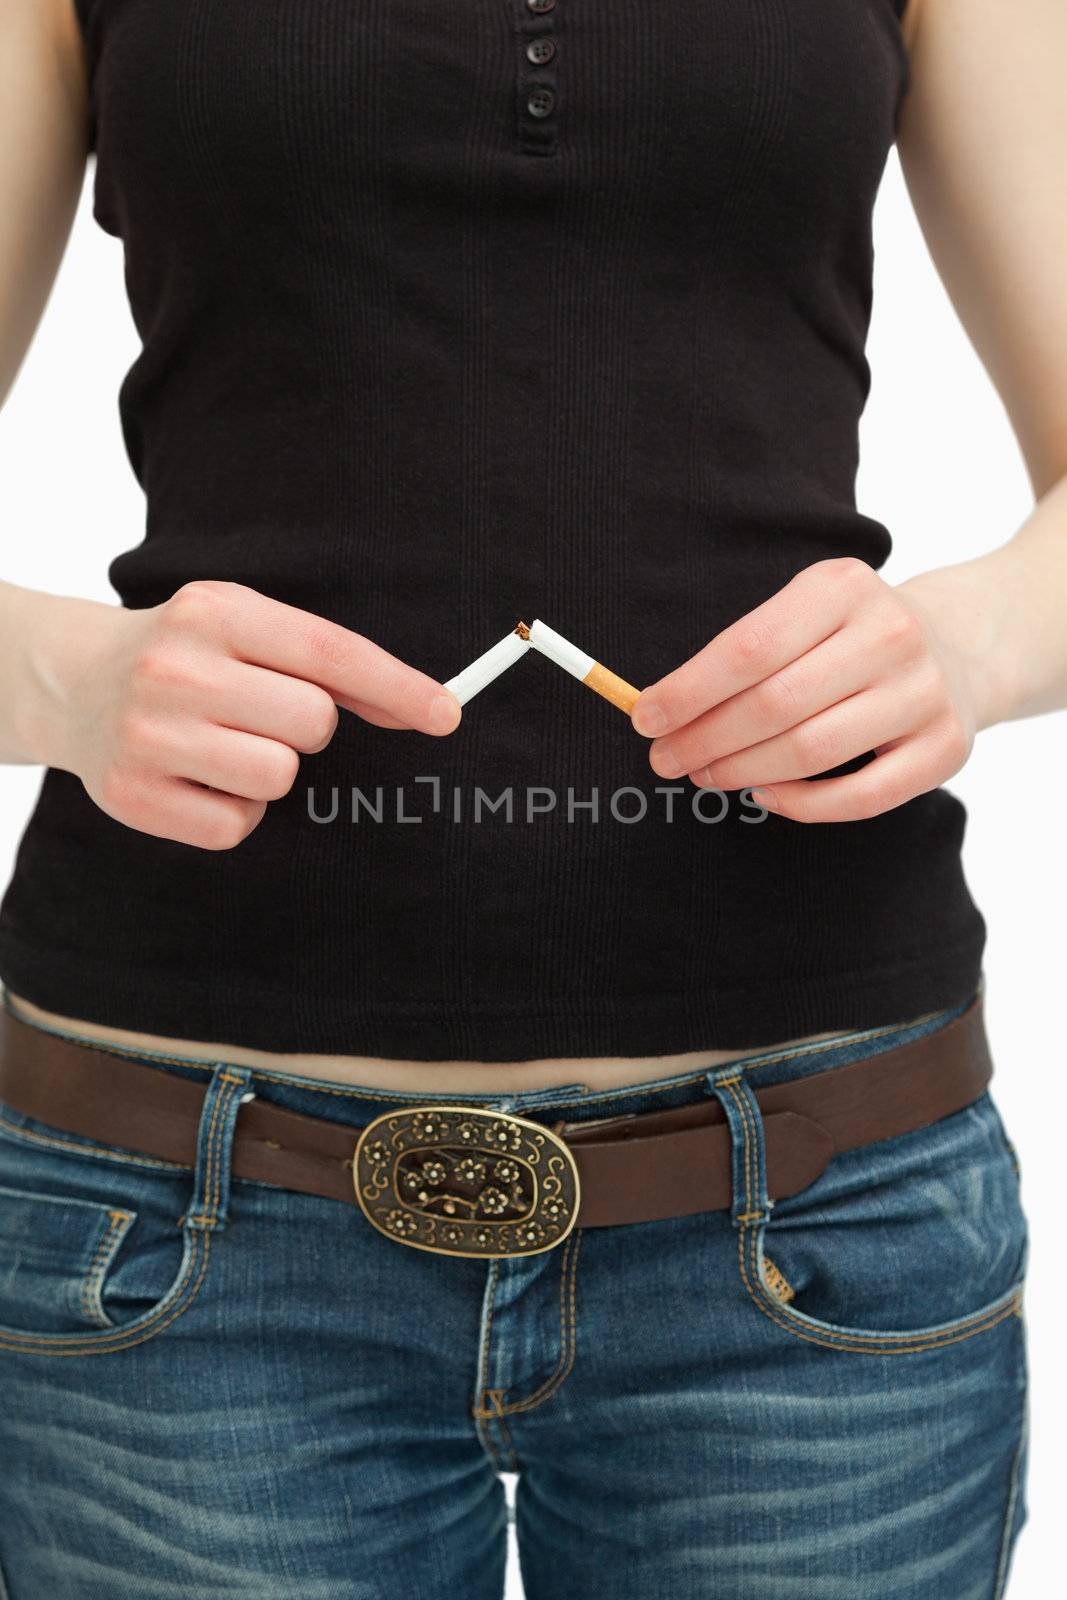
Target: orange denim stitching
[223, 1100]
[742, 1104]
[494, 1273]
[877, 1344]
[109, 1152]
[780, 1286]
[69, 1343]
[531, 1399]
[144, 1161]
[99, 1344]
[213, 1164]
[568, 1274]
[117, 1225]
[479, 1414]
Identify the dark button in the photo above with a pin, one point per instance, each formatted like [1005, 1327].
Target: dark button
[540, 51]
[540, 102]
[541, 5]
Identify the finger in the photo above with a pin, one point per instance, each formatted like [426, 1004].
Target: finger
[836, 668]
[300, 714]
[810, 607]
[891, 779]
[260, 701]
[227, 759]
[172, 808]
[850, 728]
[369, 713]
[269, 633]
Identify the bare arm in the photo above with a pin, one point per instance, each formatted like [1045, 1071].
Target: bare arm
[43, 144]
[983, 146]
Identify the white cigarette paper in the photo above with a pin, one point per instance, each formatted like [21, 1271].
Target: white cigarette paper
[560, 650]
[466, 684]
[598, 678]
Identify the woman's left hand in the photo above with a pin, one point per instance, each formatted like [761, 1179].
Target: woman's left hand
[836, 664]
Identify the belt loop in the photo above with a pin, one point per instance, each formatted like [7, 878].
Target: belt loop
[226, 1093]
[748, 1165]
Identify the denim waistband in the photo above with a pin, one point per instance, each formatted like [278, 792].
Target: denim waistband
[355, 1105]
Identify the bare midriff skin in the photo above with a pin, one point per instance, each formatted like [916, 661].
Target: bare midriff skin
[442, 1077]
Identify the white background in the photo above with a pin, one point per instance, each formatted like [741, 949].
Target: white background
[939, 465]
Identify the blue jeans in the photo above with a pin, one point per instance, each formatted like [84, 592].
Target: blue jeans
[215, 1387]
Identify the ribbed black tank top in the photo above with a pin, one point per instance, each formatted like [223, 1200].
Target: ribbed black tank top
[442, 329]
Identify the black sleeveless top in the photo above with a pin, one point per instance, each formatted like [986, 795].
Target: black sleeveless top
[454, 314]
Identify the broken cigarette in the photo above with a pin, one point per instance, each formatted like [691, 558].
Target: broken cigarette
[488, 666]
[576, 662]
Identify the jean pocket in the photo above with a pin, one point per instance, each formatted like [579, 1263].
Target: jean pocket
[907, 1244]
[54, 1256]
[94, 1253]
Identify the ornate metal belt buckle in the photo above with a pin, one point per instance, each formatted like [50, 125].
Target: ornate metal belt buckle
[461, 1181]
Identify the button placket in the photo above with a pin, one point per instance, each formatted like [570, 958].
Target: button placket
[537, 87]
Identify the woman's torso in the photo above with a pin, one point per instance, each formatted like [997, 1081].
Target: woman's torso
[427, 349]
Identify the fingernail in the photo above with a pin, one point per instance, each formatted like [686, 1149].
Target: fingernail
[444, 713]
[650, 718]
[765, 798]
[703, 778]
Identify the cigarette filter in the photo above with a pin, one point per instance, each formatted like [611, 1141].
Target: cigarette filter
[488, 666]
[576, 662]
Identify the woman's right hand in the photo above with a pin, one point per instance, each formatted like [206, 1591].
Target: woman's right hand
[184, 720]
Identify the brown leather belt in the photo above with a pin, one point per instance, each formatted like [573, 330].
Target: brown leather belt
[464, 1180]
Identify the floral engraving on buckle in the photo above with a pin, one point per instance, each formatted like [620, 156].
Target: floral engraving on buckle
[466, 1182]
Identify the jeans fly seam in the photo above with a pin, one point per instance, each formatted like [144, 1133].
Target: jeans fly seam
[545, 1390]
[482, 1425]
[494, 1273]
[509, 1444]
[479, 1412]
